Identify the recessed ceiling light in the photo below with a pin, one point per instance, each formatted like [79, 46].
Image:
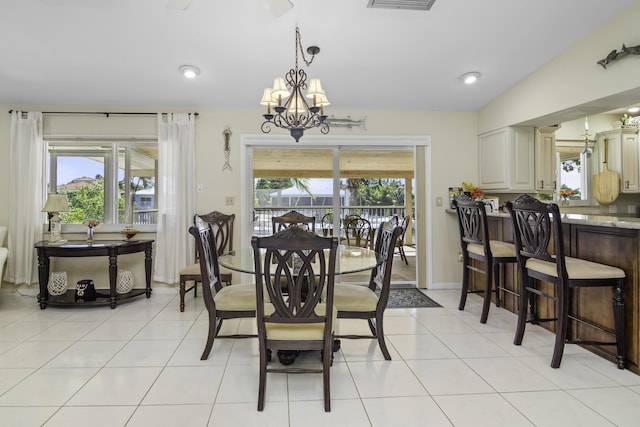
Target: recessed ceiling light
[189, 71]
[470, 78]
[633, 109]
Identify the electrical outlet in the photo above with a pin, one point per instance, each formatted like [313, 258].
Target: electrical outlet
[229, 201]
[200, 188]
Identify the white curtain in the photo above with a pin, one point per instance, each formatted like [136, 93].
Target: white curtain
[176, 195]
[26, 195]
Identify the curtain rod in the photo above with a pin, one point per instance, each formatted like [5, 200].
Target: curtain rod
[103, 113]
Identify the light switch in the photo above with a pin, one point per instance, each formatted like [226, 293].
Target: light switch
[200, 187]
[438, 201]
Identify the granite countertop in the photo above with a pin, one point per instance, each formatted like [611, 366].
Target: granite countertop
[585, 219]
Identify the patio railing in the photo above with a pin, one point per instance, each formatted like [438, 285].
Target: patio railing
[375, 214]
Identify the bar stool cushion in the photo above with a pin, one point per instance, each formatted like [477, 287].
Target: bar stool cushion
[576, 269]
[499, 249]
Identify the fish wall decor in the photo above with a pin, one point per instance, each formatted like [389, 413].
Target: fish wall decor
[615, 54]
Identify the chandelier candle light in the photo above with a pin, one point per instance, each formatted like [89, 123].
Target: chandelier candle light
[295, 113]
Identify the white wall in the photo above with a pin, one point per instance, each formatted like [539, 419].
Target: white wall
[573, 77]
[453, 148]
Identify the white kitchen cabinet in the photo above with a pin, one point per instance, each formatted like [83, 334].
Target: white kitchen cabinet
[545, 160]
[506, 159]
[623, 156]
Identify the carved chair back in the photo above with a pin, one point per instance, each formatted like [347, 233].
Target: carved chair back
[292, 217]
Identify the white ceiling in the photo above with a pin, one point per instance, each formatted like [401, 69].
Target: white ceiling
[127, 52]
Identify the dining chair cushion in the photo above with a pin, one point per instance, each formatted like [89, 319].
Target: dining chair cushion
[576, 269]
[194, 269]
[310, 331]
[359, 298]
[191, 269]
[499, 249]
[236, 297]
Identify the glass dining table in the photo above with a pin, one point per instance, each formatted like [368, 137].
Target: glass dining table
[349, 259]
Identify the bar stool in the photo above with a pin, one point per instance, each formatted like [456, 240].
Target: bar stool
[476, 245]
[534, 225]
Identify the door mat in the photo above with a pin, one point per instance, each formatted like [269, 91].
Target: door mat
[409, 298]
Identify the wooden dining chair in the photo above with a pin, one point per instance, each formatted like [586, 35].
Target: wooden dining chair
[358, 232]
[222, 302]
[327, 224]
[480, 253]
[369, 302]
[399, 246]
[293, 217]
[540, 249]
[294, 270]
[222, 226]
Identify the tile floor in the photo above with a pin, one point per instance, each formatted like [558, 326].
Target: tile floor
[139, 365]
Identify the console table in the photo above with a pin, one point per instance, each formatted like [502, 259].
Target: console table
[108, 248]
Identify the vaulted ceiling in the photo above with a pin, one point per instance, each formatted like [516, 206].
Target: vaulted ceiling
[127, 52]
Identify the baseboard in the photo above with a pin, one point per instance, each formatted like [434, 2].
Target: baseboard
[445, 285]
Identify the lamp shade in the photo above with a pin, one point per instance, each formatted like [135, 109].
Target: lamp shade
[56, 203]
[315, 88]
[322, 101]
[267, 97]
[297, 105]
[280, 88]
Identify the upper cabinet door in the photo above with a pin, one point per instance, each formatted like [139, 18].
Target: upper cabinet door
[494, 160]
[506, 159]
[545, 164]
[630, 160]
[623, 156]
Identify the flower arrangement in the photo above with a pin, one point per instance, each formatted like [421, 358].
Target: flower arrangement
[476, 192]
[566, 193]
[91, 223]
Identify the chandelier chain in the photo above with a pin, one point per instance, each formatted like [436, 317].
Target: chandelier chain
[299, 48]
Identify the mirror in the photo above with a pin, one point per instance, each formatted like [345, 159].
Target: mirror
[576, 162]
[577, 157]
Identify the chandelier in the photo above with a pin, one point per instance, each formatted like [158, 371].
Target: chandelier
[295, 113]
[586, 151]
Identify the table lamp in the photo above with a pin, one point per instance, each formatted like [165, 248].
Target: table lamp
[55, 204]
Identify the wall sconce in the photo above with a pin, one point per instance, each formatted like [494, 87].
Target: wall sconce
[227, 149]
[55, 204]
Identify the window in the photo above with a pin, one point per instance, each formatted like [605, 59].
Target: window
[575, 166]
[111, 181]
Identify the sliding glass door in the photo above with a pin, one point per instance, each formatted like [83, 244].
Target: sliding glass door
[333, 183]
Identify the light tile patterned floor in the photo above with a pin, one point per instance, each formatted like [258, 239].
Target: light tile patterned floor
[139, 365]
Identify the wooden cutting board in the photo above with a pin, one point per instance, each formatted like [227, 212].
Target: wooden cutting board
[606, 184]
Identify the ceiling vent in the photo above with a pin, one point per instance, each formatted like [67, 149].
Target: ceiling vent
[401, 4]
